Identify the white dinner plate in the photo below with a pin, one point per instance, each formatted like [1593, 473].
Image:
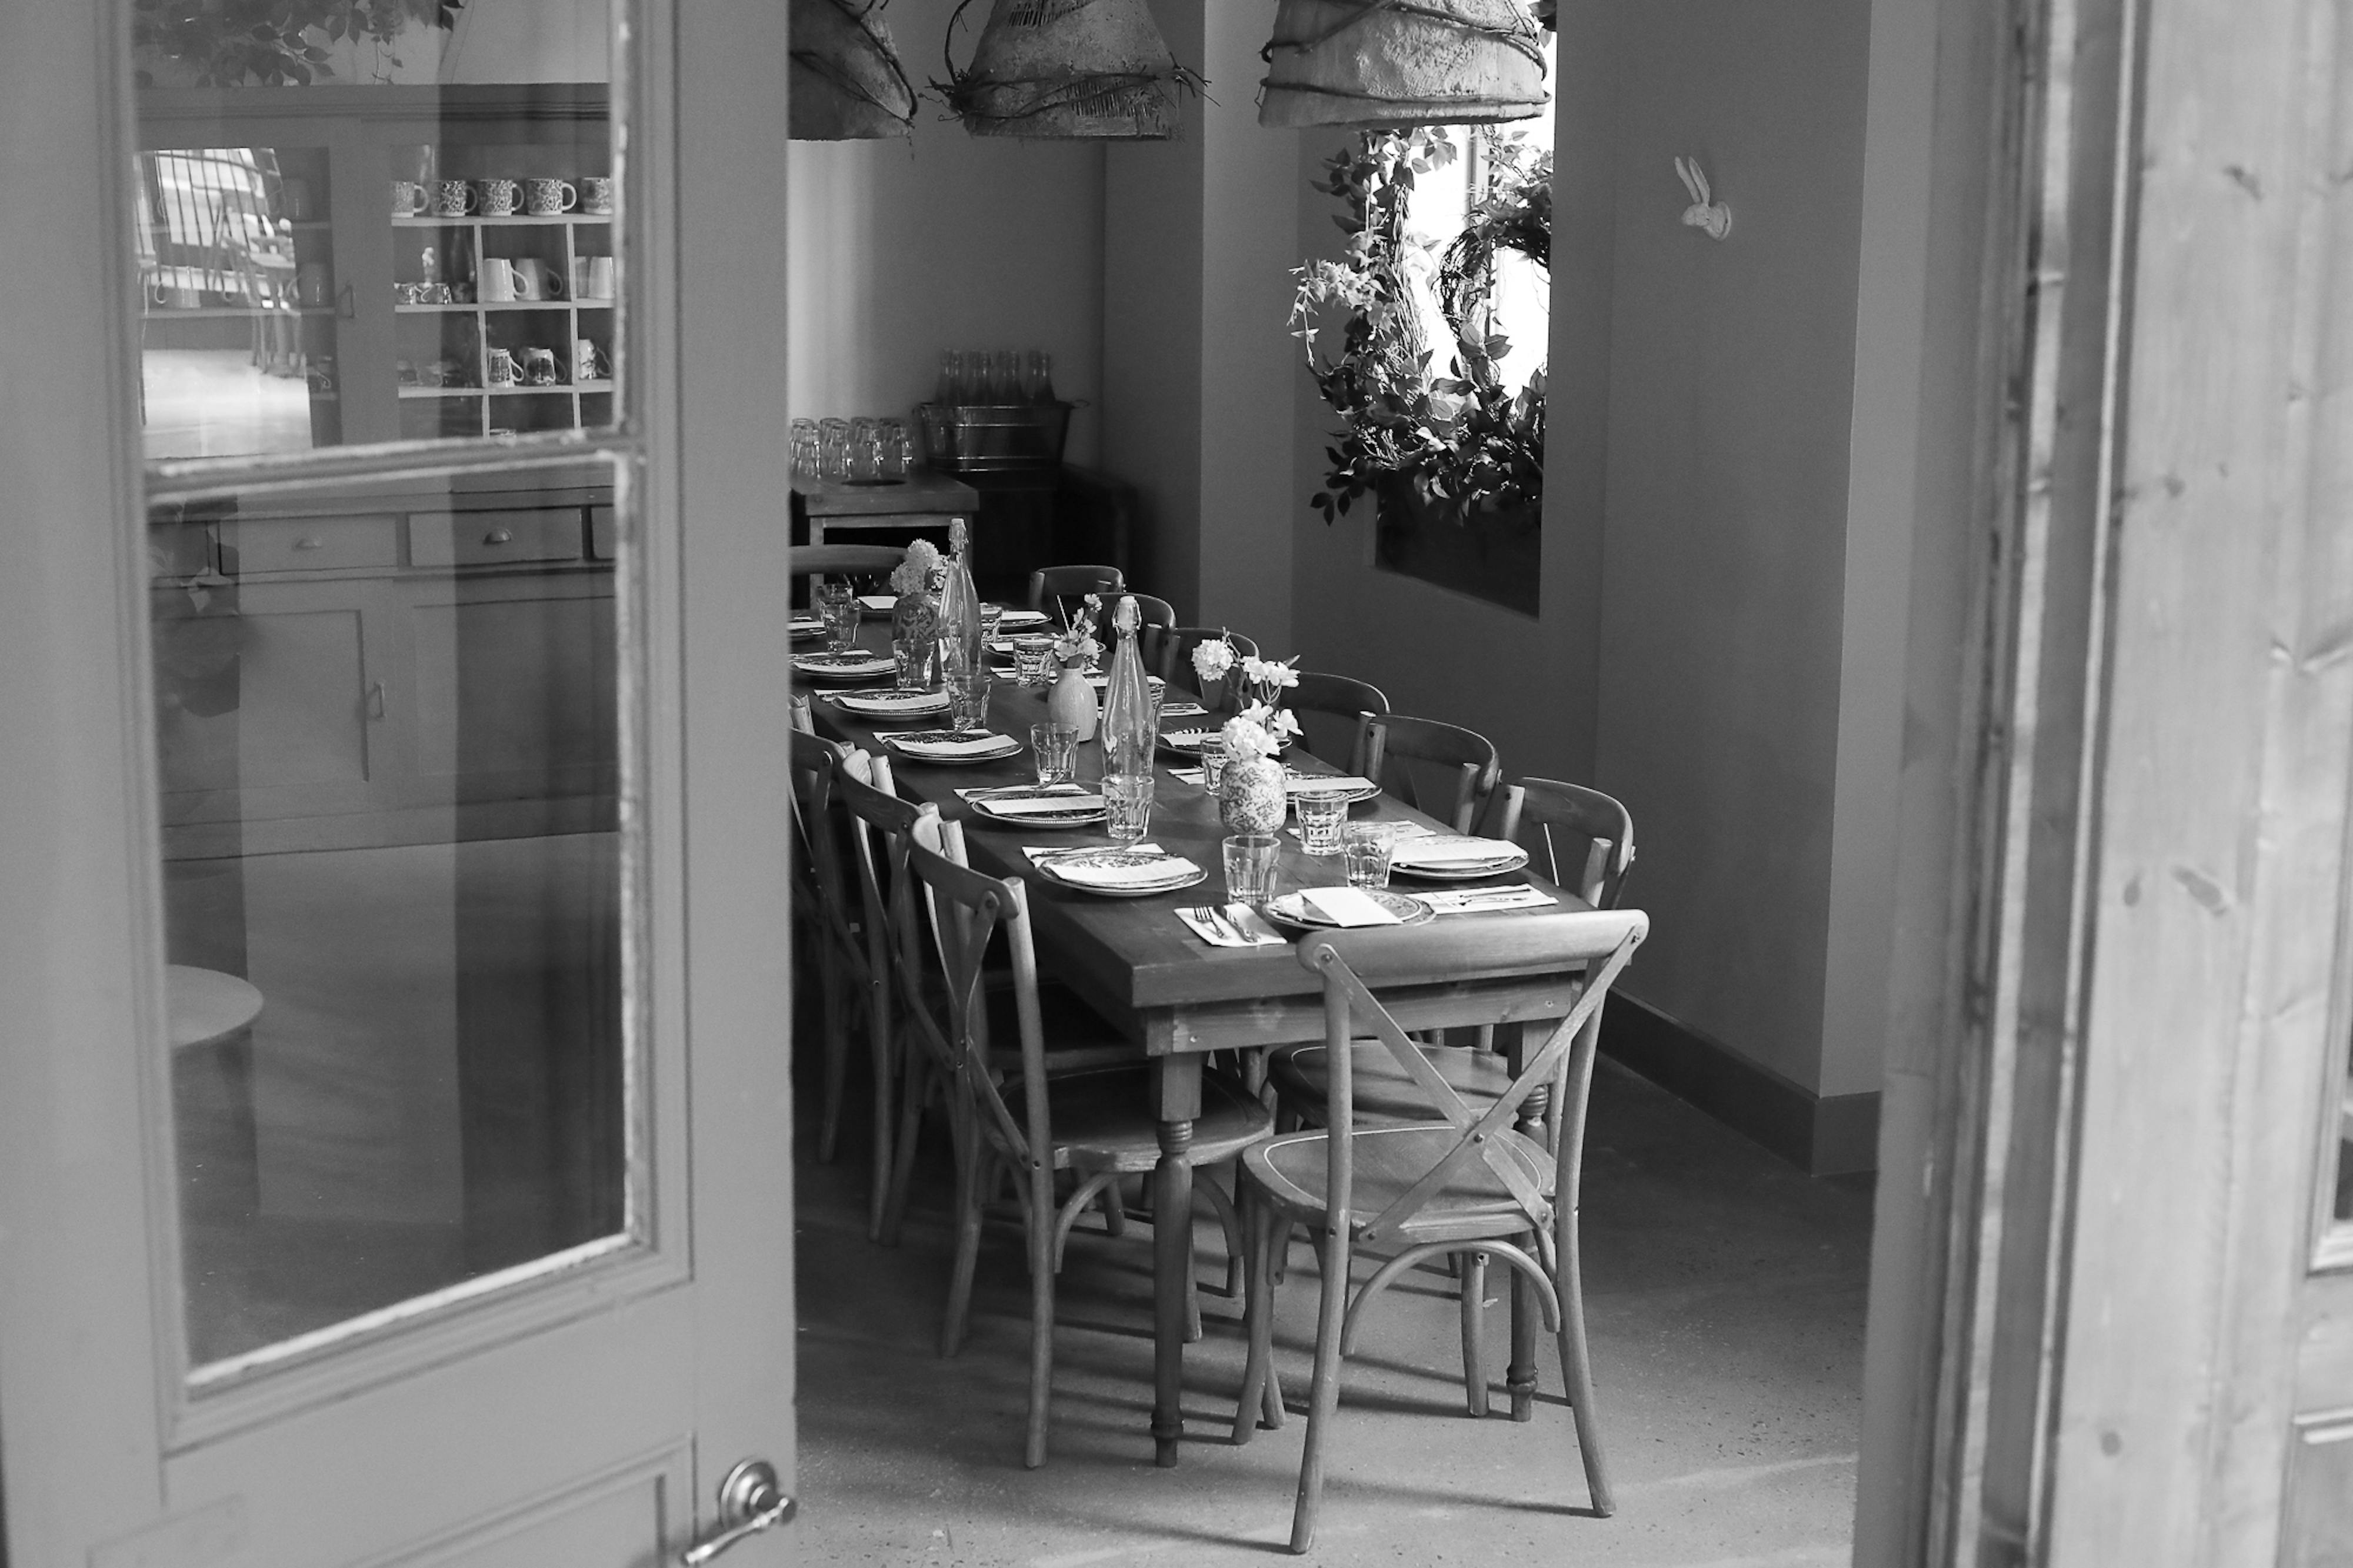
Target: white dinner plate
[843, 666]
[1329, 786]
[891, 704]
[1406, 859]
[1071, 871]
[951, 746]
[1040, 813]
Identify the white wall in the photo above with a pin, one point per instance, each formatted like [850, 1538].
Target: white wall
[897, 250]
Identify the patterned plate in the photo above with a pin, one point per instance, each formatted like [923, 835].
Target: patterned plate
[843, 666]
[1069, 870]
[1291, 910]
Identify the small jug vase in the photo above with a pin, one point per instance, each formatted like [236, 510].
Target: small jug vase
[1073, 702]
[1251, 796]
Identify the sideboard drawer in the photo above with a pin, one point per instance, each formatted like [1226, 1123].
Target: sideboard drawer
[493, 538]
[601, 533]
[308, 544]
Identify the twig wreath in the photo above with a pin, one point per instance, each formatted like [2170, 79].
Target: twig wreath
[1461, 436]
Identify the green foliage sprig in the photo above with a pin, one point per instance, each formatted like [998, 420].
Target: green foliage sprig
[272, 43]
[1461, 434]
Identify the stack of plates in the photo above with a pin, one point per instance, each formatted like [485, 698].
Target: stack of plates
[1023, 620]
[891, 704]
[1039, 805]
[803, 627]
[843, 666]
[953, 745]
[1449, 857]
[1137, 872]
[1339, 787]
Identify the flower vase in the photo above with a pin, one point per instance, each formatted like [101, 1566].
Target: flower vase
[1250, 797]
[1073, 701]
[914, 626]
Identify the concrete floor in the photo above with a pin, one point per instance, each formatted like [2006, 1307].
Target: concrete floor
[1726, 1296]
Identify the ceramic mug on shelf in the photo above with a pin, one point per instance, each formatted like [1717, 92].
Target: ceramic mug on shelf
[496, 283]
[596, 195]
[600, 278]
[586, 361]
[547, 198]
[454, 198]
[409, 199]
[501, 198]
[499, 368]
[537, 280]
[539, 367]
[294, 199]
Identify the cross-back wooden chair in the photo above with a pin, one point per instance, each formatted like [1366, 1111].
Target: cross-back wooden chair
[1562, 816]
[1394, 749]
[1465, 1180]
[1062, 583]
[852, 560]
[1344, 698]
[1020, 1120]
[851, 965]
[1171, 657]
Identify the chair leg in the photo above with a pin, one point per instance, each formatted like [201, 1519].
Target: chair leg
[1520, 1377]
[1474, 1273]
[969, 1174]
[879, 1169]
[836, 1059]
[1258, 1320]
[1576, 1362]
[1324, 1397]
[1231, 1223]
[1114, 1208]
[912, 1094]
[1040, 1206]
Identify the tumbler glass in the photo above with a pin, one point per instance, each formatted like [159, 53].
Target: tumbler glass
[1127, 801]
[837, 602]
[968, 699]
[1213, 763]
[991, 617]
[1031, 656]
[914, 659]
[1320, 820]
[1365, 846]
[1249, 868]
[1057, 749]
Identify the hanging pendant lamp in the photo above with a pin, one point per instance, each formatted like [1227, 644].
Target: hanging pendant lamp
[1402, 62]
[847, 82]
[1068, 69]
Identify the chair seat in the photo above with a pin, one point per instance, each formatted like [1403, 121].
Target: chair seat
[1077, 1037]
[1476, 1204]
[1384, 1091]
[1102, 1120]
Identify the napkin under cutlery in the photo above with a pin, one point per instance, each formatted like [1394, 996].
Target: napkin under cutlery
[1484, 901]
[1230, 925]
[953, 744]
[1044, 800]
[1452, 853]
[1346, 907]
[885, 603]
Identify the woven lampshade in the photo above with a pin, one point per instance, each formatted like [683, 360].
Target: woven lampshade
[1068, 69]
[847, 82]
[1402, 62]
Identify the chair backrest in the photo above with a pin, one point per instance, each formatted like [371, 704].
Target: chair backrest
[1562, 814]
[847, 560]
[818, 767]
[1073, 582]
[887, 887]
[1583, 952]
[970, 908]
[1393, 745]
[1173, 651]
[801, 716]
[1345, 699]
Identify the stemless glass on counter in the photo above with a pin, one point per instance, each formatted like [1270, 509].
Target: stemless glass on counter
[1127, 801]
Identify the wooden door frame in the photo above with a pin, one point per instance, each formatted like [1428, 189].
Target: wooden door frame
[2093, 1359]
[79, 954]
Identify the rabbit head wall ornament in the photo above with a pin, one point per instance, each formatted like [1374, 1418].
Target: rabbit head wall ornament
[1705, 213]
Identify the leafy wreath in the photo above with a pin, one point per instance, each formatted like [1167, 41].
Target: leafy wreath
[1460, 438]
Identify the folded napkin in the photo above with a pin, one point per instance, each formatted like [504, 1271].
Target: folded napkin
[1187, 739]
[1131, 871]
[910, 701]
[1322, 784]
[1453, 852]
[1012, 618]
[843, 664]
[801, 626]
[1254, 931]
[1181, 710]
[885, 603]
[953, 744]
[1040, 802]
[1347, 906]
[1187, 775]
[1480, 900]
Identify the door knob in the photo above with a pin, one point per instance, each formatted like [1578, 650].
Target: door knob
[749, 1503]
[498, 536]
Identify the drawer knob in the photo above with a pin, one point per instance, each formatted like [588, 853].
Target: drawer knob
[309, 542]
[498, 536]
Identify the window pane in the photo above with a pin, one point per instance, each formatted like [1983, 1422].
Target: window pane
[386, 731]
[412, 238]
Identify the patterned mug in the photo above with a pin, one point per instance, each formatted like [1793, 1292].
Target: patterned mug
[546, 198]
[539, 367]
[501, 198]
[499, 368]
[454, 198]
[409, 199]
[585, 361]
[596, 195]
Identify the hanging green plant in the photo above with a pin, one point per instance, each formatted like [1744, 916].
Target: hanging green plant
[1460, 436]
[272, 43]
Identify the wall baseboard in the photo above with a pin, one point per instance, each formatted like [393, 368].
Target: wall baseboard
[1823, 1135]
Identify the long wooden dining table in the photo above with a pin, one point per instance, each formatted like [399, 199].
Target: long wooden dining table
[1176, 996]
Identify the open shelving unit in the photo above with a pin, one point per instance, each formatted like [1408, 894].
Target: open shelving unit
[459, 337]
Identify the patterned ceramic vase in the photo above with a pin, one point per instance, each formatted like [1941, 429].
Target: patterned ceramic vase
[1073, 701]
[1250, 797]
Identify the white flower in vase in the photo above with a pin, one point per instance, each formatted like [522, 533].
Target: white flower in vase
[1212, 658]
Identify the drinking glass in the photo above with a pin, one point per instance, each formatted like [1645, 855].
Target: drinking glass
[991, 617]
[968, 699]
[833, 449]
[837, 602]
[1127, 800]
[1032, 655]
[1057, 749]
[1005, 377]
[1249, 868]
[1320, 820]
[1365, 846]
[1213, 763]
[912, 658]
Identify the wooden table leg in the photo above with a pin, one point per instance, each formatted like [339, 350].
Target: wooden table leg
[1177, 1103]
[1520, 1380]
